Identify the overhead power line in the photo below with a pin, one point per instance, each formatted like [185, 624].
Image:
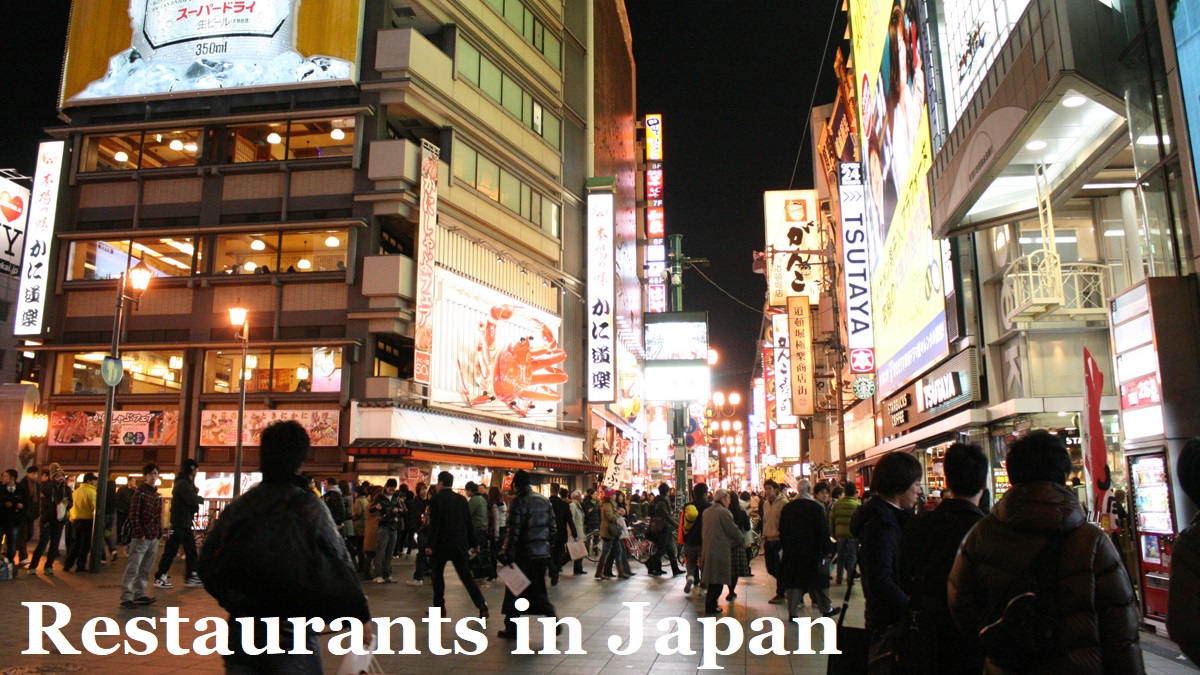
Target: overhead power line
[837, 4]
[756, 310]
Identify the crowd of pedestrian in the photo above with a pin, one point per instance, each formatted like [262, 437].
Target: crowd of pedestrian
[949, 585]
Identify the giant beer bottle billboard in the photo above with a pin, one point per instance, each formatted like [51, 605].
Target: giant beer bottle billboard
[132, 49]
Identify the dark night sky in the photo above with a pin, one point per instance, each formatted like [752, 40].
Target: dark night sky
[733, 81]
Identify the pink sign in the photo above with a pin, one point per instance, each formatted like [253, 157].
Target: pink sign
[426, 250]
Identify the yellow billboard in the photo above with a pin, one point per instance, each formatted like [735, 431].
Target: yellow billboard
[906, 279]
[135, 49]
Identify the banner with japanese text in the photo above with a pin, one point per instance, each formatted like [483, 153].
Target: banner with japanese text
[39, 233]
[799, 321]
[601, 294]
[792, 235]
[219, 427]
[426, 257]
[129, 428]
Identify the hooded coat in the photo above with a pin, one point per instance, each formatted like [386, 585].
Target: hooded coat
[1093, 596]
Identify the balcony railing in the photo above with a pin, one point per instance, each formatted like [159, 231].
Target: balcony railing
[1033, 286]
[1085, 288]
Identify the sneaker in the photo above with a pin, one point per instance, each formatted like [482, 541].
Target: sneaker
[415, 582]
[128, 604]
[144, 600]
[832, 613]
[194, 581]
[48, 571]
[377, 580]
[687, 588]
[32, 570]
[163, 581]
[777, 600]
[391, 580]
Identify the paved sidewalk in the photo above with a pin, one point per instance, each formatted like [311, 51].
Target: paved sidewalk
[597, 605]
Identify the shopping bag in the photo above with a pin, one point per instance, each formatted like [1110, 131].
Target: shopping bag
[577, 549]
[357, 664]
[514, 579]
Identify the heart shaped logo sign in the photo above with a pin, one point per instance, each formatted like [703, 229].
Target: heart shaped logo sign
[11, 206]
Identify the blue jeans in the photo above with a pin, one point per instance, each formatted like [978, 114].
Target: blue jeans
[613, 552]
[847, 552]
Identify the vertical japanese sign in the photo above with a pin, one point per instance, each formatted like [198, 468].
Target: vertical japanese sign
[14, 207]
[1095, 451]
[426, 254]
[793, 236]
[601, 291]
[656, 227]
[781, 342]
[799, 320]
[35, 266]
[856, 268]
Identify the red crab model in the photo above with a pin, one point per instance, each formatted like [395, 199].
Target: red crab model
[517, 374]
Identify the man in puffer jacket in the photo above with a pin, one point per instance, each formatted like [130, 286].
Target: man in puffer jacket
[527, 543]
[1093, 600]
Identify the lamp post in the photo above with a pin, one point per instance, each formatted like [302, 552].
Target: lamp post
[136, 280]
[239, 317]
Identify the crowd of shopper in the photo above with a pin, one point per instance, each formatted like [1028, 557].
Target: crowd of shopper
[952, 588]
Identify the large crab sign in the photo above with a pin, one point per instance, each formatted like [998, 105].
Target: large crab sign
[517, 374]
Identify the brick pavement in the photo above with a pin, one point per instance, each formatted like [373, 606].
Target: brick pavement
[597, 605]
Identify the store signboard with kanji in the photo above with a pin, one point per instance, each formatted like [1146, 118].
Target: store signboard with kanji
[799, 322]
[601, 296]
[782, 347]
[793, 234]
[136, 49]
[129, 428]
[426, 256]
[39, 233]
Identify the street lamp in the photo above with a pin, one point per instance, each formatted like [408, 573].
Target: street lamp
[239, 318]
[134, 281]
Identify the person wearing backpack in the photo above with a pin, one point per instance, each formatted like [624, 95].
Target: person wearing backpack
[927, 550]
[1036, 561]
[276, 552]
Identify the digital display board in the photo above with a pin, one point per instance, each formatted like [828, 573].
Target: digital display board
[906, 279]
[134, 49]
[676, 335]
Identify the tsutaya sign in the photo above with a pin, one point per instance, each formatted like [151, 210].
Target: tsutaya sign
[856, 266]
[948, 387]
[601, 294]
[35, 271]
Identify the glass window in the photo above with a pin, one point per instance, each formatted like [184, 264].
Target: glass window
[111, 152]
[490, 79]
[323, 251]
[312, 139]
[149, 372]
[464, 164]
[526, 199]
[550, 217]
[488, 178]
[553, 52]
[220, 368]
[166, 257]
[551, 130]
[511, 96]
[536, 114]
[247, 253]
[497, 5]
[468, 61]
[256, 143]
[514, 13]
[510, 191]
[171, 148]
[318, 369]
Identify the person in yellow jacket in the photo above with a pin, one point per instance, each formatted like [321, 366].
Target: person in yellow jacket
[83, 517]
[839, 525]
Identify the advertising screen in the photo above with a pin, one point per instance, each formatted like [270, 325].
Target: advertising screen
[677, 335]
[975, 30]
[1185, 20]
[906, 277]
[142, 48]
[677, 381]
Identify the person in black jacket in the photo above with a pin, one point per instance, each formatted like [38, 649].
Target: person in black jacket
[927, 550]
[451, 539]
[54, 492]
[662, 528]
[807, 545]
[562, 528]
[528, 542]
[185, 504]
[877, 525]
[275, 552]
[13, 503]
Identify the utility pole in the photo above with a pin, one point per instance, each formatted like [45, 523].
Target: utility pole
[675, 263]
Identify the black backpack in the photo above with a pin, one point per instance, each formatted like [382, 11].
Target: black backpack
[1026, 633]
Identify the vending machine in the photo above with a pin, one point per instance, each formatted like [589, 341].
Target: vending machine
[1154, 338]
[1154, 525]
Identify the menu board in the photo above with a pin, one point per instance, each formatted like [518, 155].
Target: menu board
[1152, 495]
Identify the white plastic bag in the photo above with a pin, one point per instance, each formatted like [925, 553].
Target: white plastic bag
[514, 579]
[577, 549]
